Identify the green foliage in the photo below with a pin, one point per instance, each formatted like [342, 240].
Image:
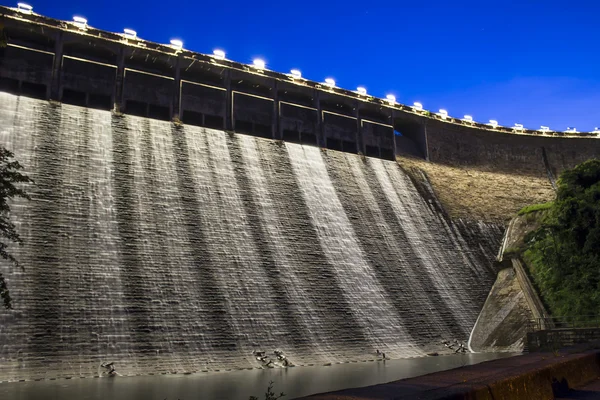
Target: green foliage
[535, 207]
[511, 252]
[10, 181]
[269, 395]
[564, 253]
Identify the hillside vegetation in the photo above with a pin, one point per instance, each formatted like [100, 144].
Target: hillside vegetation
[563, 254]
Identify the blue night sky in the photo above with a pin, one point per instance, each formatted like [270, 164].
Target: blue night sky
[530, 62]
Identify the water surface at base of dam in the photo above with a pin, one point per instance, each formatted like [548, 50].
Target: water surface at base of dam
[239, 385]
[177, 249]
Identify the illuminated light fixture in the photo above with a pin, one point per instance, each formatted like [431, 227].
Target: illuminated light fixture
[443, 113]
[571, 130]
[80, 22]
[218, 54]
[596, 130]
[130, 33]
[177, 44]
[391, 98]
[493, 123]
[258, 63]
[518, 127]
[296, 74]
[417, 106]
[24, 8]
[468, 119]
[330, 82]
[544, 129]
[361, 90]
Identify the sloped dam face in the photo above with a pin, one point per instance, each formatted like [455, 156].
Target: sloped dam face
[182, 249]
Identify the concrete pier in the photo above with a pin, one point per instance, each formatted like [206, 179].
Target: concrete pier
[81, 65]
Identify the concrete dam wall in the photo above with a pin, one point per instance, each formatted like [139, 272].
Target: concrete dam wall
[169, 248]
[502, 152]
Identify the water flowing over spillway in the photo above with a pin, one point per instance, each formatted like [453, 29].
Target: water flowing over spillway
[181, 249]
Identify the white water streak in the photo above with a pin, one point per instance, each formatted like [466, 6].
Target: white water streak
[369, 303]
[416, 220]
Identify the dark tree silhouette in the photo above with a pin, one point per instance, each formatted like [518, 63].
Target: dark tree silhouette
[269, 395]
[11, 180]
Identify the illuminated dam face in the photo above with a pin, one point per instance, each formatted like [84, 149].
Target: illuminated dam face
[179, 247]
[166, 248]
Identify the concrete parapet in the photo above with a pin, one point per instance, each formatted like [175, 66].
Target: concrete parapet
[550, 339]
[52, 59]
[533, 300]
[528, 377]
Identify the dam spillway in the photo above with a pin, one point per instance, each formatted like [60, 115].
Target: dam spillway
[169, 248]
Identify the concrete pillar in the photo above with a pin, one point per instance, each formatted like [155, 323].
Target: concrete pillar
[229, 122]
[276, 134]
[118, 91]
[390, 121]
[394, 133]
[54, 90]
[426, 142]
[175, 103]
[320, 132]
[360, 146]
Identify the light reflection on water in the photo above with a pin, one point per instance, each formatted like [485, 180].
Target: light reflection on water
[239, 385]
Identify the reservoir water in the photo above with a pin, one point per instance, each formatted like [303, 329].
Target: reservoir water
[239, 385]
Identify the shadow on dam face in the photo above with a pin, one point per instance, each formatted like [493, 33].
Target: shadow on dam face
[181, 249]
[411, 139]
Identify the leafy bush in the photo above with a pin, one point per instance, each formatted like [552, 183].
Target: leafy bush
[535, 207]
[564, 253]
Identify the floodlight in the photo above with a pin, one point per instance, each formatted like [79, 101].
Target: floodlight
[361, 90]
[493, 123]
[596, 130]
[518, 127]
[176, 43]
[544, 129]
[258, 63]
[330, 82]
[443, 113]
[80, 22]
[130, 33]
[219, 54]
[296, 74]
[417, 106]
[571, 130]
[468, 118]
[24, 8]
[391, 98]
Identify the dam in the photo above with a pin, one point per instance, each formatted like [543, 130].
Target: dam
[188, 212]
[187, 249]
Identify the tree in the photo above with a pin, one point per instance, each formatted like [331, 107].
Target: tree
[10, 181]
[564, 253]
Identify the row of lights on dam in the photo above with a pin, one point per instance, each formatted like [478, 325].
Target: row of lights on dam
[260, 64]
